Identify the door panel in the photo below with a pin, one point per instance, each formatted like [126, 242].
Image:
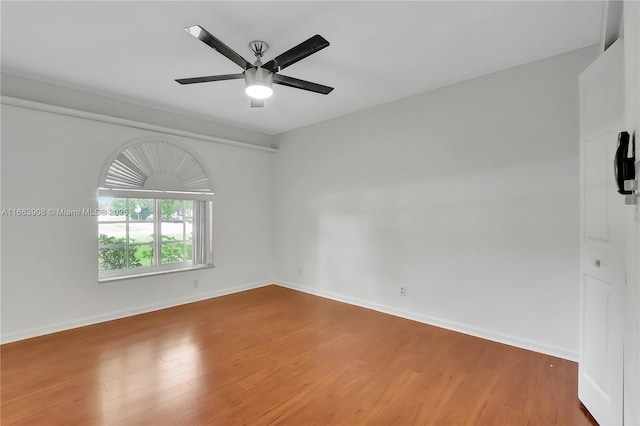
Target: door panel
[596, 173]
[602, 248]
[597, 302]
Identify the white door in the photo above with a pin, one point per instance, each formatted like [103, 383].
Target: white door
[602, 250]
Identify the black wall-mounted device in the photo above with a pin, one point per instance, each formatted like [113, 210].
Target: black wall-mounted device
[624, 162]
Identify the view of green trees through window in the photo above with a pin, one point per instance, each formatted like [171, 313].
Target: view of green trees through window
[131, 231]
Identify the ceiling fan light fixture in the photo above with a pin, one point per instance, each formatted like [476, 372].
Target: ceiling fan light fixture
[259, 81]
[258, 91]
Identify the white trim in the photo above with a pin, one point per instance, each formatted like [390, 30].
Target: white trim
[155, 194]
[38, 106]
[126, 274]
[437, 322]
[82, 322]
[610, 23]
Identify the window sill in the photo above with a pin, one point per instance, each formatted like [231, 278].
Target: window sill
[153, 273]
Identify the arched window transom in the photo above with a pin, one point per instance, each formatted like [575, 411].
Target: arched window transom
[156, 166]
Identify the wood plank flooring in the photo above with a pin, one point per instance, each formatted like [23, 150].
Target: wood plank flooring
[277, 356]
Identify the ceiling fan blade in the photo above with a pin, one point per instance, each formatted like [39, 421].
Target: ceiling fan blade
[301, 84]
[200, 33]
[293, 55]
[209, 78]
[257, 103]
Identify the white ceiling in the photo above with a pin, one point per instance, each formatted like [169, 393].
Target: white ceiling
[380, 51]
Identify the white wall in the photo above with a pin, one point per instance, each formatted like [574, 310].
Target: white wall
[49, 264]
[52, 94]
[467, 195]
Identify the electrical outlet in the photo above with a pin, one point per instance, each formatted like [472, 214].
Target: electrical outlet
[300, 272]
[196, 284]
[403, 290]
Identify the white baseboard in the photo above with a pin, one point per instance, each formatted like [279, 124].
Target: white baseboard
[449, 325]
[426, 319]
[81, 322]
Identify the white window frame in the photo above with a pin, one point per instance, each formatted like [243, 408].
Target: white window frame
[202, 240]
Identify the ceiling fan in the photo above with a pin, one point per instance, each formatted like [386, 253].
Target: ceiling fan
[259, 77]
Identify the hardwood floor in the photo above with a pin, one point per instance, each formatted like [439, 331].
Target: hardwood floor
[274, 355]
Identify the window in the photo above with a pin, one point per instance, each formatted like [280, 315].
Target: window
[149, 221]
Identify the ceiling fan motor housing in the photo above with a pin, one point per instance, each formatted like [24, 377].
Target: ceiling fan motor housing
[258, 82]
